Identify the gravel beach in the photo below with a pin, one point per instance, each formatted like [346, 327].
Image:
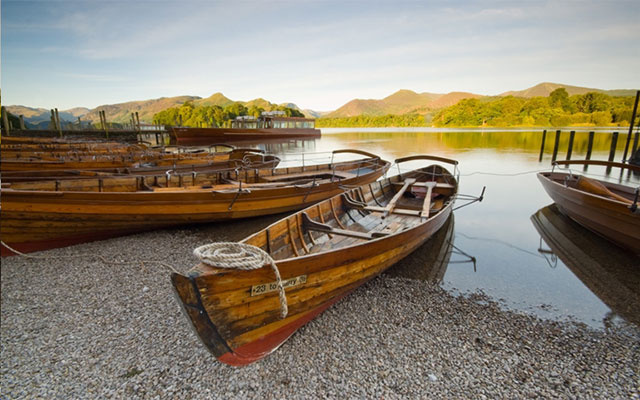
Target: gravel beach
[75, 326]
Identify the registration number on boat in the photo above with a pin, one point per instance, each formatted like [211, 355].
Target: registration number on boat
[273, 286]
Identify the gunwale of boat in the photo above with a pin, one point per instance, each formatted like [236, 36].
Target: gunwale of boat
[239, 328]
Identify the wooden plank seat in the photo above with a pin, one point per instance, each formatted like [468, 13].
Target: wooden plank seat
[427, 184]
[311, 225]
[338, 174]
[391, 208]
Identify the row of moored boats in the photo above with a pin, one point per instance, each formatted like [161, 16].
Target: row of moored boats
[244, 299]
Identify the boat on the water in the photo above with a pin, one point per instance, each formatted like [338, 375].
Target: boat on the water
[46, 214]
[609, 272]
[321, 254]
[235, 158]
[37, 164]
[607, 208]
[270, 125]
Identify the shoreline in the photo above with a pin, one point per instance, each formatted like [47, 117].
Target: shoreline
[79, 328]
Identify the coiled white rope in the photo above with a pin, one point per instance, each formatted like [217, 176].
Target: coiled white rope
[241, 256]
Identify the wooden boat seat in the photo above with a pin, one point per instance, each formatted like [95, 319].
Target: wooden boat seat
[427, 184]
[311, 225]
[308, 175]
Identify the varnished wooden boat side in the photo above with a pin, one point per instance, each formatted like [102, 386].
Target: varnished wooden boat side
[325, 265]
[38, 215]
[606, 216]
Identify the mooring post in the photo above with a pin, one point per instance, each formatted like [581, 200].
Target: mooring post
[614, 143]
[633, 117]
[589, 149]
[22, 127]
[5, 122]
[58, 125]
[137, 122]
[572, 134]
[555, 146]
[544, 136]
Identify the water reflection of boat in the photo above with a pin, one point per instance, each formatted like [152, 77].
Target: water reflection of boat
[428, 263]
[608, 209]
[610, 273]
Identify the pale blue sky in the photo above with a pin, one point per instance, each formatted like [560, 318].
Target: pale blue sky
[317, 54]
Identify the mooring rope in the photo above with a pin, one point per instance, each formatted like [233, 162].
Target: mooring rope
[241, 256]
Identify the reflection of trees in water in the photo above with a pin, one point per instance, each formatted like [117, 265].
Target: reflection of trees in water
[609, 272]
[487, 139]
[280, 146]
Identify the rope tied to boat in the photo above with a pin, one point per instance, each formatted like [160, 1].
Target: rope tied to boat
[241, 256]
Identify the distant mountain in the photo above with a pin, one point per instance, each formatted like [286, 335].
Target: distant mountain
[545, 88]
[314, 114]
[401, 102]
[37, 116]
[216, 99]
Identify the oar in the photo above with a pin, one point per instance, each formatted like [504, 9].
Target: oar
[595, 187]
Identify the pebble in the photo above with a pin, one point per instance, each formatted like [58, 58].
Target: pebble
[79, 328]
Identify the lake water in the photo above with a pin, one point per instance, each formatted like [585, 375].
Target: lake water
[512, 264]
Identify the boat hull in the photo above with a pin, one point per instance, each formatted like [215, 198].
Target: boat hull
[609, 218]
[202, 136]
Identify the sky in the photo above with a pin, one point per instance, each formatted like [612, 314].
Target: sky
[316, 54]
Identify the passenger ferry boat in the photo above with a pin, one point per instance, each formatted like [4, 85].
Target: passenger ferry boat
[270, 125]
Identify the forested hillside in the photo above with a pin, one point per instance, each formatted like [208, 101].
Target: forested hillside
[558, 109]
[192, 115]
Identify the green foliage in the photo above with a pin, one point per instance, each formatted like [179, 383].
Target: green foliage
[212, 115]
[389, 120]
[559, 109]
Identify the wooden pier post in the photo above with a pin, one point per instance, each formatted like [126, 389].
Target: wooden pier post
[633, 117]
[590, 146]
[544, 136]
[614, 143]
[5, 122]
[137, 122]
[79, 123]
[22, 127]
[572, 135]
[612, 149]
[58, 125]
[555, 146]
[589, 149]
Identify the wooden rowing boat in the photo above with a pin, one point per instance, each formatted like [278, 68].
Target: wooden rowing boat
[610, 273]
[322, 253]
[606, 208]
[237, 158]
[38, 165]
[47, 214]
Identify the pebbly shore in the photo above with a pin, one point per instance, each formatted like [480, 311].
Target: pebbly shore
[99, 320]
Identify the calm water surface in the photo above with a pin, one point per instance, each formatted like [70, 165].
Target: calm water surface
[513, 264]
